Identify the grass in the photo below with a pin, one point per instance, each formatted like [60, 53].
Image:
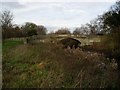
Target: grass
[48, 65]
[7, 44]
[0, 47]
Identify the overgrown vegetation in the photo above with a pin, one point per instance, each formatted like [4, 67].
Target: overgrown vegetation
[48, 65]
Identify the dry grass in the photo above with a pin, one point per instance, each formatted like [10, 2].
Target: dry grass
[48, 65]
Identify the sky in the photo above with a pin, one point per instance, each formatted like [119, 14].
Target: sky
[56, 13]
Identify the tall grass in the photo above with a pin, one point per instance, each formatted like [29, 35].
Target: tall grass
[49, 65]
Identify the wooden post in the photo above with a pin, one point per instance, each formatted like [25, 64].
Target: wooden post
[26, 41]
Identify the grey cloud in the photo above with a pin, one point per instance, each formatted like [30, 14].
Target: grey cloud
[12, 5]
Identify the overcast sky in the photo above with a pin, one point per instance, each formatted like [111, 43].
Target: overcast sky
[60, 13]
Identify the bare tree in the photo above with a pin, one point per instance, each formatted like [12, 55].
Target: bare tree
[77, 31]
[6, 20]
[85, 29]
[41, 30]
[92, 26]
[63, 31]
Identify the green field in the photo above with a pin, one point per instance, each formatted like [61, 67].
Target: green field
[7, 44]
[48, 65]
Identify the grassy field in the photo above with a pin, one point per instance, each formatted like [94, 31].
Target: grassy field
[47, 65]
[7, 44]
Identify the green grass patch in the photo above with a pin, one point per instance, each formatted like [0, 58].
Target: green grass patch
[7, 44]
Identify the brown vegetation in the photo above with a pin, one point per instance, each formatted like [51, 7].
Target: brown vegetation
[49, 65]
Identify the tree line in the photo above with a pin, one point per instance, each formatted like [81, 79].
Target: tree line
[10, 30]
[105, 24]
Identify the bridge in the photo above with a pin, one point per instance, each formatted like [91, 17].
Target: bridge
[85, 40]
